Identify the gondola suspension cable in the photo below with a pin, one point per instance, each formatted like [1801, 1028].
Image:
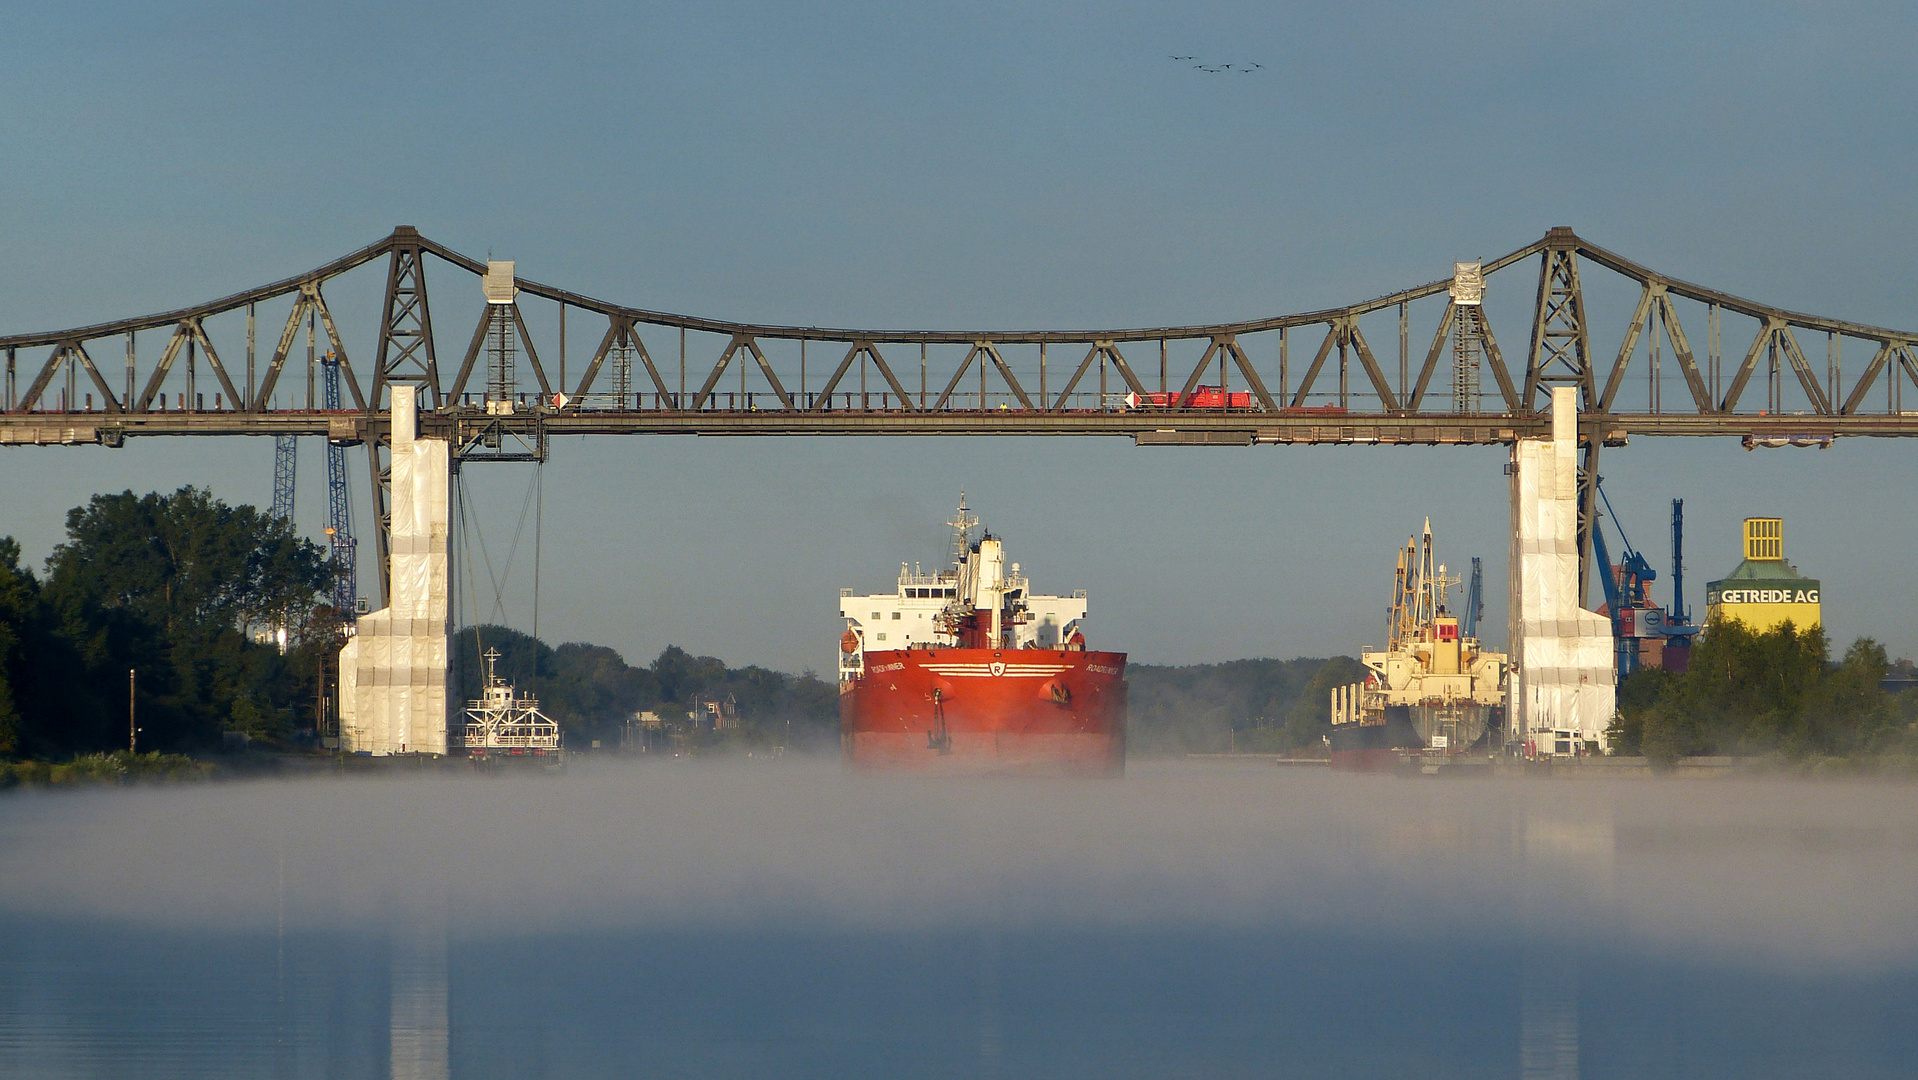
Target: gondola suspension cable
[539, 520]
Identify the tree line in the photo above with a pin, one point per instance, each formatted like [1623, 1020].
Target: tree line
[594, 694]
[1775, 691]
[180, 590]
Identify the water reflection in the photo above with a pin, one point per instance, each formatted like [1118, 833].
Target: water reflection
[418, 1002]
[1567, 879]
[795, 922]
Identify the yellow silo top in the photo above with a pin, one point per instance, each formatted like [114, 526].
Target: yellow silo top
[1764, 538]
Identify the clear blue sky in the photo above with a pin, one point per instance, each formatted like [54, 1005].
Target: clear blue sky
[985, 165]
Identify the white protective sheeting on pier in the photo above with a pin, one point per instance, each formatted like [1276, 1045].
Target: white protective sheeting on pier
[1562, 658]
[393, 672]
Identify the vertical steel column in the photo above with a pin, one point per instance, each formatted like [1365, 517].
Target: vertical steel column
[381, 477]
[1405, 355]
[1560, 355]
[406, 325]
[248, 403]
[1285, 362]
[312, 370]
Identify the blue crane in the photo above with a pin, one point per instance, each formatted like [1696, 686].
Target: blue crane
[339, 512]
[285, 451]
[1474, 598]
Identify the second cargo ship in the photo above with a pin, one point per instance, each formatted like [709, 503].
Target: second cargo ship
[1433, 690]
[967, 670]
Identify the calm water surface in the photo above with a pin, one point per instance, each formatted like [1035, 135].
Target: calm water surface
[1188, 921]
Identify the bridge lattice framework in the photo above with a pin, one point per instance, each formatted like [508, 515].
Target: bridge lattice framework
[1156, 385]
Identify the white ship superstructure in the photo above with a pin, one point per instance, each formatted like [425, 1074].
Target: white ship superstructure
[505, 721]
[933, 611]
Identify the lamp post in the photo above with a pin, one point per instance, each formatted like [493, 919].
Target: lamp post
[133, 733]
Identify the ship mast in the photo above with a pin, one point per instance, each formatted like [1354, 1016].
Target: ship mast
[962, 524]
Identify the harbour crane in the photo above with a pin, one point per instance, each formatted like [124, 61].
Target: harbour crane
[339, 511]
[1475, 598]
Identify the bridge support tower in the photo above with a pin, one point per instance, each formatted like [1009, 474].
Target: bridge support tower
[393, 672]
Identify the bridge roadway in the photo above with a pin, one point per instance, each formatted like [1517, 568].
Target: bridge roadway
[1144, 427]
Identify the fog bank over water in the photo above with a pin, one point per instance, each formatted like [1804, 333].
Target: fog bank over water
[1754, 871]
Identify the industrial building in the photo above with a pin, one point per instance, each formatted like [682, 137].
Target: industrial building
[1764, 591]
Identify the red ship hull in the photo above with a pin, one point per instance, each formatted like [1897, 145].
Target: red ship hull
[1022, 711]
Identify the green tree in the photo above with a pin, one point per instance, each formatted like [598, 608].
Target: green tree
[1771, 691]
[19, 616]
[173, 586]
[1310, 720]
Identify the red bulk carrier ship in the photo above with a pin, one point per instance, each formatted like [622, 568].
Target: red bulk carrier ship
[968, 671]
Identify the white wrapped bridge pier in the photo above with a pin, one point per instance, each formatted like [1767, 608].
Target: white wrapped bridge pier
[393, 672]
[1563, 685]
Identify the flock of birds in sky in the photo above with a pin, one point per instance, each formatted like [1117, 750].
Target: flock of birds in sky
[1221, 69]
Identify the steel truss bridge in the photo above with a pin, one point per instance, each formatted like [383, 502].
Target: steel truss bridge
[1326, 376]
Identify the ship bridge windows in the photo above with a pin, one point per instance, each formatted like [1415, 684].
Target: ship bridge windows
[895, 615]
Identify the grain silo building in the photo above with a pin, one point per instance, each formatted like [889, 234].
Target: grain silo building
[1764, 591]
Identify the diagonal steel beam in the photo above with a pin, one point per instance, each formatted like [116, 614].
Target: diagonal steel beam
[1333, 336]
[1005, 372]
[1745, 369]
[1192, 383]
[212, 359]
[339, 351]
[891, 379]
[264, 395]
[79, 350]
[1813, 392]
[1495, 360]
[180, 335]
[1681, 348]
[39, 384]
[725, 360]
[1111, 349]
[532, 354]
[1866, 379]
[825, 394]
[1244, 364]
[1430, 367]
[1371, 365]
[785, 399]
[1073, 383]
[1626, 348]
[659, 384]
[616, 326]
[964, 365]
[472, 353]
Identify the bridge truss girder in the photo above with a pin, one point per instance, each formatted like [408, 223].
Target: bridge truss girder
[1344, 392]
